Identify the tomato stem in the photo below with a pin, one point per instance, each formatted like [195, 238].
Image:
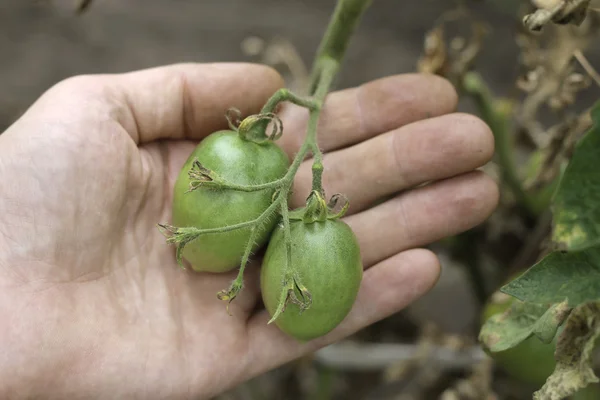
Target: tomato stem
[181, 236]
[335, 41]
[498, 121]
[291, 280]
[287, 286]
[327, 63]
[285, 94]
[241, 188]
[237, 285]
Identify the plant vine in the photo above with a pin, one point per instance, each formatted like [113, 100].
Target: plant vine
[326, 65]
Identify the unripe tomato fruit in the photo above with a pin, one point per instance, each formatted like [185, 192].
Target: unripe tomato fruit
[327, 258]
[531, 361]
[238, 161]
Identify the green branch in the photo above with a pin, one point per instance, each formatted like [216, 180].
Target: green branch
[498, 121]
[285, 94]
[327, 63]
[337, 36]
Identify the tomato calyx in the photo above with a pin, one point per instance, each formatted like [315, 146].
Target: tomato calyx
[317, 210]
[201, 176]
[293, 291]
[180, 236]
[231, 293]
[254, 127]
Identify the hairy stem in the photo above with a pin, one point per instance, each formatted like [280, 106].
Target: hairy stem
[233, 290]
[327, 63]
[337, 36]
[286, 95]
[237, 285]
[287, 285]
[251, 188]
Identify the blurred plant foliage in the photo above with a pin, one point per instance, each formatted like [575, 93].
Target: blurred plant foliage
[558, 298]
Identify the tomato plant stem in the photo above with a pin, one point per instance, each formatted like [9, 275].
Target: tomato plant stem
[337, 36]
[230, 294]
[327, 63]
[287, 283]
[245, 188]
[181, 236]
[499, 124]
[286, 95]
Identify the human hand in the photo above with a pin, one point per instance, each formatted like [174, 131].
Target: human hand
[92, 301]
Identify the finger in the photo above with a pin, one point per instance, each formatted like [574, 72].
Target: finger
[423, 151]
[385, 289]
[353, 115]
[424, 215]
[171, 102]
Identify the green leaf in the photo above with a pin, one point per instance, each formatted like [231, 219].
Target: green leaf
[573, 275]
[506, 330]
[574, 354]
[576, 205]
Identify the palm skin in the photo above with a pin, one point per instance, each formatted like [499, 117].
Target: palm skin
[93, 302]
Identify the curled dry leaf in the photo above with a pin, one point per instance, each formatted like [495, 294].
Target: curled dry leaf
[452, 57]
[521, 321]
[574, 354]
[560, 12]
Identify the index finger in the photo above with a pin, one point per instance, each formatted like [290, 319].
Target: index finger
[180, 101]
[353, 115]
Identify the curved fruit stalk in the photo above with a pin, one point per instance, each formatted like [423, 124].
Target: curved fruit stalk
[254, 128]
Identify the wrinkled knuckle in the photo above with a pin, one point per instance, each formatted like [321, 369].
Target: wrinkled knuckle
[397, 150]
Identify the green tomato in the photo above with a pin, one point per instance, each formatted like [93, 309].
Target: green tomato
[238, 161]
[326, 256]
[531, 361]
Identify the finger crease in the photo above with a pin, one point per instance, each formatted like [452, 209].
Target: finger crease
[360, 114]
[186, 106]
[136, 131]
[397, 163]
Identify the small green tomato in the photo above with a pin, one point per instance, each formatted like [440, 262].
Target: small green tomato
[326, 256]
[238, 161]
[531, 361]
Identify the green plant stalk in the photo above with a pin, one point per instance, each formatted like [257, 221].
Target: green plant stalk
[498, 122]
[291, 281]
[325, 383]
[285, 94]
[182, 236]
[327, 64]
[333, 46]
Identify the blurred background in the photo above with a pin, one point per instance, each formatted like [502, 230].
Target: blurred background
[428, 351]
[43, 42]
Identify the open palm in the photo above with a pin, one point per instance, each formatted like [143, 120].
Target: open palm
[92, 301]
